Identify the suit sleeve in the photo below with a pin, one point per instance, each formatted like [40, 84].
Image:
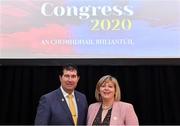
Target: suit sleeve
[131, 117]
[86, 109]
[43, 112]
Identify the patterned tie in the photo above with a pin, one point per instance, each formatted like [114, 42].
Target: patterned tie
[72, 108]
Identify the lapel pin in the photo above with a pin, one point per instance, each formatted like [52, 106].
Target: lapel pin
[78, 99]
[62, 99]
[114, 118]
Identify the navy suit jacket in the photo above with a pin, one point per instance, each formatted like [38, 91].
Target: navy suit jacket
[53, 109]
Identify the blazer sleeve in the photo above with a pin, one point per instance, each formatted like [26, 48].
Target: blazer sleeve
[88, 121]
[91, 114]
[131, 117]
[43, 112]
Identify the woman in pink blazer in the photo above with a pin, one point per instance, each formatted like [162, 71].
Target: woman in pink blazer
[109, 110]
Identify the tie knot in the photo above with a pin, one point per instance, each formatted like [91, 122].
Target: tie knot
[70, 96]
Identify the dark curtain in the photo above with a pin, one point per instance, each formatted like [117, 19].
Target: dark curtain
[153, 90]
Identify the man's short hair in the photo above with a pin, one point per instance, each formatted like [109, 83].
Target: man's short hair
[69, 67]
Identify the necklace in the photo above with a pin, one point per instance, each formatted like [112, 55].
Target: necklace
[106, 107]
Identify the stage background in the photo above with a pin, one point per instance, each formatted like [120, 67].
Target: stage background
[138, 42]
[152, 89]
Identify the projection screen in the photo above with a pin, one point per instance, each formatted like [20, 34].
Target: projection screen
[64, 29]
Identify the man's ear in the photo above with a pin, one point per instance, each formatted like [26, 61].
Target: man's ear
[60, 77]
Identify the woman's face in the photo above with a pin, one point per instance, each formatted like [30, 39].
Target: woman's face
[107, 90]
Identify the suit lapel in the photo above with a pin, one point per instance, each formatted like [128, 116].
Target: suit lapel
[64, 105]
[78, 105]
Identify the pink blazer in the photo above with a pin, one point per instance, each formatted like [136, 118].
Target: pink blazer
[122, 114]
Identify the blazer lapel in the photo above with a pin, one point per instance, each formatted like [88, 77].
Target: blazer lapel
[64, 105]
[95, 111]
[115, 114]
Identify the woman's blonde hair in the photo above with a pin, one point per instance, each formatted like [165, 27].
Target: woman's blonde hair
[103, 80]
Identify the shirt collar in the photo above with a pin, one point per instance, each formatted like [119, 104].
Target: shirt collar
[65, 94]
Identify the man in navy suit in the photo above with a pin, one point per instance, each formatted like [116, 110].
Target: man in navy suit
[54, 107]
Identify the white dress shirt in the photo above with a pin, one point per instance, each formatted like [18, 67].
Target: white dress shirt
[65, 94]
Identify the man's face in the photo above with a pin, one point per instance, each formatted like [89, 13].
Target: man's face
[69, 80]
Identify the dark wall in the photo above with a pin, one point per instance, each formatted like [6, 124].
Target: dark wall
[153, 90]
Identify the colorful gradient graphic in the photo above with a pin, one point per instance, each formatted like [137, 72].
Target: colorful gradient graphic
[109, 29]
